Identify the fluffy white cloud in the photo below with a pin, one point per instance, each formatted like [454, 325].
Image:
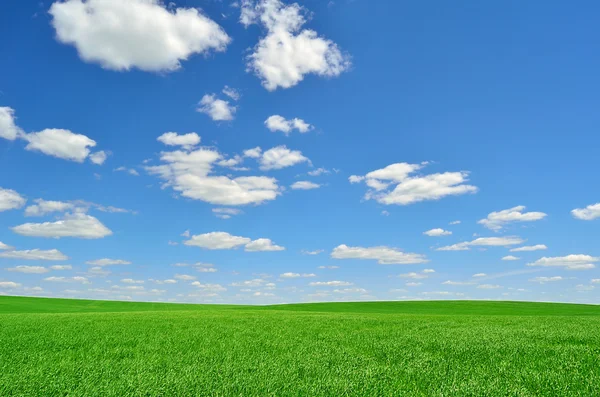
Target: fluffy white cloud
[305, 185]
[262, 244]
[527, 248]
[483, 242]
[488, 286]
[278, 123]
[217, 109]
[142, 34]
[8, 127]
[74, 225]
[76, 279]
[287, 53]
[99, 157]
[588, 213]
[209, 287]
[571, 262]
[543, 280]
[29, 269]
[297, 275]
[174, 139]
[217, 241]
[10, 200]
[257, 282]
[455, 223]
[43, 207]
[384, 255]
[281, 157]
[413, 284]
[319, 171]
[184, 277]
[132, 281]
[189, 173]
[334, 283]
[5, 246]
[497, 220]
[35, 254]
[395, 184]
[9, 284]
[437, 232]
[253, 153]
[449, 282]
[107, 262]
[61, 267]
[63, 144]
[413, 275]
[232, 93]
[510, 258]
[226, 213]
[130, 171]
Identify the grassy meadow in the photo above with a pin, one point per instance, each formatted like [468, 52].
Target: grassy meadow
[59, 347]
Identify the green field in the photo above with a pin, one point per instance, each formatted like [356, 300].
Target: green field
[58, 347]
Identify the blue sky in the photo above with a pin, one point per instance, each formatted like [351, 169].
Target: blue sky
[291, 152]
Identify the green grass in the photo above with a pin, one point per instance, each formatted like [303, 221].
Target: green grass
[57, 347]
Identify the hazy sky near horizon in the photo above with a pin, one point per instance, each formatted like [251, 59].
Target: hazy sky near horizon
[270, 151]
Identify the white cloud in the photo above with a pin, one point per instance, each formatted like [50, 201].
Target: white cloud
[497, 220]
[287, 53]
[315, 252]
[8, 127]
[510, 258]
[281, 157]
[319, 171]
[588, 213]
[350, 291]
[527, 248]
[297, 275]
[61, 267]
[187, 141]
[209, 287]
[226, 213]
[483, 242]
[5, 246]
[74, 225]
[479, 275]
[543, 280]
[257, 282]
[595, 280]
[143, 34]
[413, 284]
[232, 93]
[59, 143]
[334, 283]
[305, 185]
[185, 234]
[428, 271]
[132, 281]
[29, 269]
[43, 207]
[99, 271]
[437, 232]
[572, 262]
[217, 109]
[262, 244]
[76, 279]
[449, 282]
[384, 255]
[9, 284]
[413, 275]
[455, 223]
[395, 185]
[130, 171]
[278, 123]
[184, 277]
[35, 254]
[488, 286]
[253, 153]
[217, 241]
[107, 262]
[188, 173]
[99, 157]
[10, 200]
[329, 267]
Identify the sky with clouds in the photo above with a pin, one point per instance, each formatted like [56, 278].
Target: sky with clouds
[265, 151]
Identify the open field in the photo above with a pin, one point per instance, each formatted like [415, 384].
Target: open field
[95, 348]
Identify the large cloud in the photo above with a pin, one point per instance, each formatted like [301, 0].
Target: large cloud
[35, 254]
[10, 200]
[73, 225]
[384, 255]
[287, 53]
[395, 184]
[497, 220]
[63, 144]
[226, 241]
[588, 213]
[188, 172]
[569, 262]
[143, 34]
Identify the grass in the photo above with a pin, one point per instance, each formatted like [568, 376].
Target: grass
[57, 347]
